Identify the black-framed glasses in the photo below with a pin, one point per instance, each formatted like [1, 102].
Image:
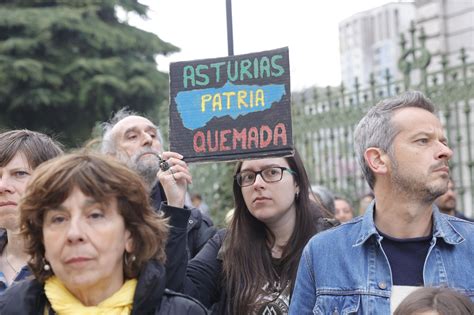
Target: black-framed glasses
[270, 175]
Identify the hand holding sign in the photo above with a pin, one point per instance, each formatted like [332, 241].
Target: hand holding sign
[174, 176]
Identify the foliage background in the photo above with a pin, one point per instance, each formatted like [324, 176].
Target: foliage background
[64, 65]
[67, 65]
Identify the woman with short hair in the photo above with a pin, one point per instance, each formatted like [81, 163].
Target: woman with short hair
[95, 242]
[21, 151]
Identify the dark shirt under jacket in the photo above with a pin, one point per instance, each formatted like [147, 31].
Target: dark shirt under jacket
[406, 258]
[189, 232]
[203, 276]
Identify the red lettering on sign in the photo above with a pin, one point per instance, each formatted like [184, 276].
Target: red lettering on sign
[265, 136]
[240, 136]
[279, 133]
[199, 142]
[255, 137]
[222, 146]
[209, 142]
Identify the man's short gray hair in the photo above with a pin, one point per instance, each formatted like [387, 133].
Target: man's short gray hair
[376, 128]
[108, 143]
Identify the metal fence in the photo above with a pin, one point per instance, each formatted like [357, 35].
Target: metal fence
[324, 120]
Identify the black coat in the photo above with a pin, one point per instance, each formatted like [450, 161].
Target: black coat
[28, 297]
[204, 273]
[199, 227]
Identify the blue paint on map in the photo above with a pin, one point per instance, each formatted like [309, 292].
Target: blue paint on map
[189, 103]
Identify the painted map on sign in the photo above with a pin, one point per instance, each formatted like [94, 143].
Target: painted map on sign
[231, 98]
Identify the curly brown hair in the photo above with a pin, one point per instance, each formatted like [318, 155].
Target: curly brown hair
[102, 178]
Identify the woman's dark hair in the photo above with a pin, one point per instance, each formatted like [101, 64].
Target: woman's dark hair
[35, 146]
[445, 301]
[247, 259]
[101, 178]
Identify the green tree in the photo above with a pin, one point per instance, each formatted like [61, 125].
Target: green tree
[214, 182]
[66, 64]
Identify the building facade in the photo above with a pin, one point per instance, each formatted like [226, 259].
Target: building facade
[449, 26]
[369, 42]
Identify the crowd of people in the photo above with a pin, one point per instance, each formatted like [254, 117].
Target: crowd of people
[114, 231]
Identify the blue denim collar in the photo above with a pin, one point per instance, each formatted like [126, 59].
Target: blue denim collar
[367, 225]
[442, 227]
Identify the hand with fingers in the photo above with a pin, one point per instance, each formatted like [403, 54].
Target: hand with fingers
[174, 176]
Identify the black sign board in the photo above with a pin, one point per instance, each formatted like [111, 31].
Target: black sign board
[231, 108]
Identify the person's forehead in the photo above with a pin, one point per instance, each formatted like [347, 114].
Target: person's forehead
[130, 122]
[341, 203]
[414, 120]
[18, 160]
[261, 163]
[77, 197]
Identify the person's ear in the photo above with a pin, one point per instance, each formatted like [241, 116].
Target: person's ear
[377, 160]
[128, 242]
[297, 187]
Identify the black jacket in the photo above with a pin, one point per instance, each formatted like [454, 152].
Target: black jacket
[204, 272]
[203, 276]
[28, 297]
[199, 226]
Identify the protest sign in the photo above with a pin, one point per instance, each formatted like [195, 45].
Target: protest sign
[231, 108]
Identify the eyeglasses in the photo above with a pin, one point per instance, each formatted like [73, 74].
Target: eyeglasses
[269, 175]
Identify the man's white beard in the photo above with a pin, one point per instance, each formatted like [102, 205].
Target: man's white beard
[147, 167]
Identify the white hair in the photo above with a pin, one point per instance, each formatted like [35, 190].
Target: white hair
[108, 143]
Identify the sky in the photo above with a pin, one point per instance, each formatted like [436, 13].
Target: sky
[308, 27]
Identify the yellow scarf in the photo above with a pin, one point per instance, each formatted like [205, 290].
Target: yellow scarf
[64, 303]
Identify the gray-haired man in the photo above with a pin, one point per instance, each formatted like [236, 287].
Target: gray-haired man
[137, 142]
[402, 242]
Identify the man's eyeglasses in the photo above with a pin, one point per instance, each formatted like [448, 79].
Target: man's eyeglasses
[270, 175]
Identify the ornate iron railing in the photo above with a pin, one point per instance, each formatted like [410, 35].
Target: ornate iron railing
[324, 119]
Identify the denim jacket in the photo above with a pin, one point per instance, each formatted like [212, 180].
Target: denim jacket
[345, 270]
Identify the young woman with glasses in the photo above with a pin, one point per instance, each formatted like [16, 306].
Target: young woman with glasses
[250, 267]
